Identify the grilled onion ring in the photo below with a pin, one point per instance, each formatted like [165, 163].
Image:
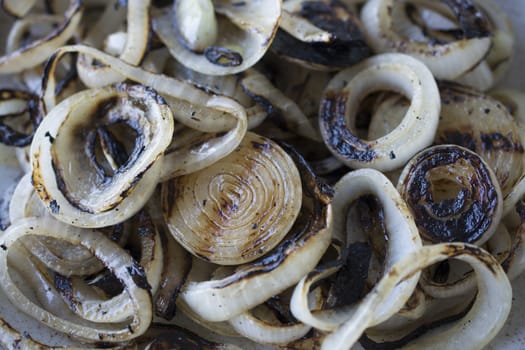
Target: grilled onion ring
[16, 103]
[221, 299]
[237, 209]
[453, 195]
[116, 260]
[59, 159]
[447, 61]
[343, 94]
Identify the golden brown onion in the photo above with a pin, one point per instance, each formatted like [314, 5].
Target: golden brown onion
[237, 209]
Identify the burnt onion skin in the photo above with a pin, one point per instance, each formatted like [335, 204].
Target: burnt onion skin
[8, 135]
[345, 47]
[469, 206]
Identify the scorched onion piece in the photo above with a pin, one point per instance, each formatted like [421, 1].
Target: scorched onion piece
[84, 171]
[321, 35]
[15, 104]
[446, 61]
[342, 96]
[453, 195]
[403, 239]
[482, 322]
[483, 125]
[253, 283]
[238, 208]
[120, 263]
[245, 32]
[38, 51]
[136, 41]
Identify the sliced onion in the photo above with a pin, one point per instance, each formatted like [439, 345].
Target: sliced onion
[17, 8]
[253, 283]
[118, 262]
[245, 33]
[447, 61]
[482, 322]
[453, 195]
[38, 51]
[403, 240]
[347, 89]
[237, 209]
[16, 104]
[65, 146]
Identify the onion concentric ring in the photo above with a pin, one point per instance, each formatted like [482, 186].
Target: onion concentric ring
[237, 209]
[453, 195]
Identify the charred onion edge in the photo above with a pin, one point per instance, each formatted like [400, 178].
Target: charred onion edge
[484, 213]
[8, 135]
[341, 99]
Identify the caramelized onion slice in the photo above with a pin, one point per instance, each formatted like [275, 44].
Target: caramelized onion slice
[38, 51]
[453, 195]
[482, 322]
[446, 61]
[223, 298]
[342, 96]
[237, 209]
[97, 155]
[118, 261]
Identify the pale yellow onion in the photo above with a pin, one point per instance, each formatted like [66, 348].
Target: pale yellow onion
[341, 99]
[38, 51]
[58, 156]
[447, 61]
[246, 30]
[17, 8]
[403, 240]
[238, 208]
[473, 331]
[115, 258]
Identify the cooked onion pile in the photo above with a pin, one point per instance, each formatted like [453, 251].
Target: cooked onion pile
[299, 174]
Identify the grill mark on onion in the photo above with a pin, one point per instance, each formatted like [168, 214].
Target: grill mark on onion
[471, 214]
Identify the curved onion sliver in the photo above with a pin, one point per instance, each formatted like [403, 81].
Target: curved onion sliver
[447, 61]
[482, 322]
[343, 94]
[136, 41]
[453, 195]
[245, 33]
[403, 239]
[116, 260]
[116, 183]
[38, 51]
[253, 283]
[237, 209]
